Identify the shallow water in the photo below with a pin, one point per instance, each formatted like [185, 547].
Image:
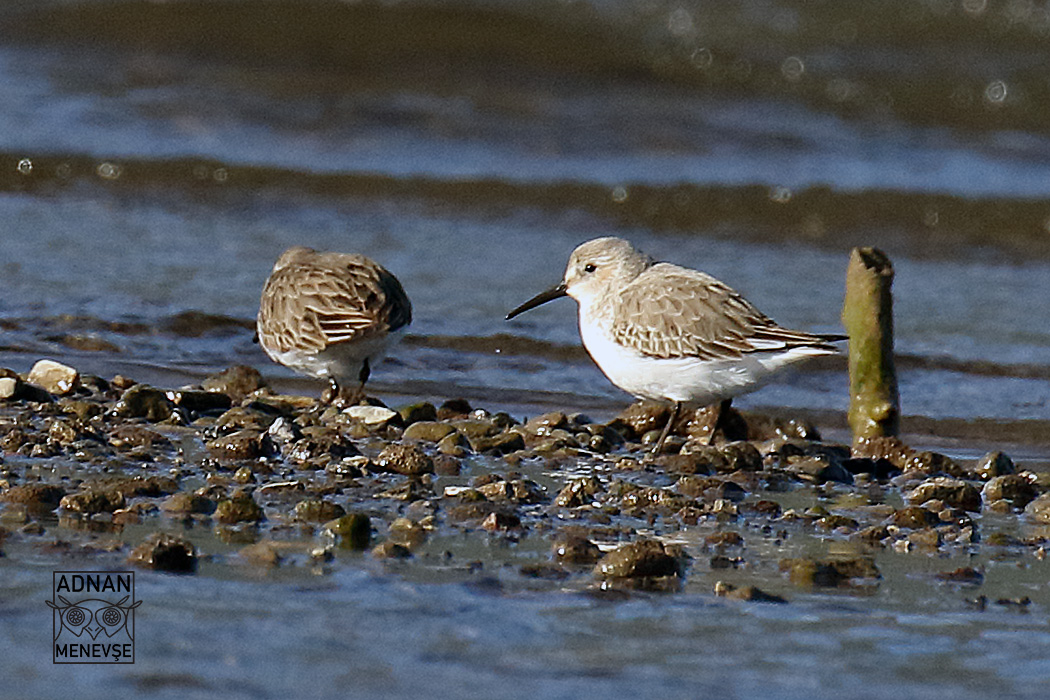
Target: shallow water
[155, 158]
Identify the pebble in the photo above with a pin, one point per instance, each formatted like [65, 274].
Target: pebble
[164, 552]
[53, 377]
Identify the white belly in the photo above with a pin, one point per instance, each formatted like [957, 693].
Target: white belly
[686, 379]
[341, 361]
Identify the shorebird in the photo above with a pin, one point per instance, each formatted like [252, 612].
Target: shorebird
[668, 333]
[331, 315]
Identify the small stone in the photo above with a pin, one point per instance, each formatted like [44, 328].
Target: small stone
[819, 470]
[914, 518]
[374, 417]
[578, 492]
[142, 401]
[571, 548]
[500, 521]
[53, 377]
[544, 423]
[244, 475]
[428, 431]
[965, 574]
[742, 456]
[829, 572]
[926, 539]
[503, 443]
[131, 436]
[933, 463]
[94, 501]
[954, 492]
[391, 550]
[200, 401]
[1014, 488]
[318, 511]
[9, 387]
[416, 412]
[724, 539]
[639, 418]
[709, 459]
[238, 509]
[713, 422]
[992, 465]
[243, 444]
[453, 408]
[236, 382]
[405, 532]
[164, 552]
[748, 593]
[184, 503]
[405, 459]
[262, 553]
[454, 445]
[891, 449]
[354, 530]
[1039, 509]
[637, 559]
[446, 465]
[36, 496]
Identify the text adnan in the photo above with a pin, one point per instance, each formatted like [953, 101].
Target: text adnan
[102, 582]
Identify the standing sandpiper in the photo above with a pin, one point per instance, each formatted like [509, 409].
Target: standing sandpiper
[331, 315]
[668, 333]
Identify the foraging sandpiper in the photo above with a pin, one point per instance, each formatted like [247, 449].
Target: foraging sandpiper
[331, 315]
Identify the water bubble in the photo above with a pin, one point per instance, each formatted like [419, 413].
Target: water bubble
[792, 68]
[931, 217]
[995, 92]
[680, 23]
[25, 166]
[839, 90]
[64, 170]
[702, 58]
[108, 171]
[974, 7]
[619, 194]
[201, 172]
[781, 195]
[221, 175]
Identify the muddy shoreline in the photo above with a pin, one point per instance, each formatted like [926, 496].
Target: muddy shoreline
[230, 473]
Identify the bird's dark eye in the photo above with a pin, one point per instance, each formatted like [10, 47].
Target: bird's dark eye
[590, 267]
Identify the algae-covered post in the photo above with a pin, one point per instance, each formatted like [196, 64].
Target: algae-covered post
[874, 409]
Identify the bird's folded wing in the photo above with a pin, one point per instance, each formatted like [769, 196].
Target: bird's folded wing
[670, 312]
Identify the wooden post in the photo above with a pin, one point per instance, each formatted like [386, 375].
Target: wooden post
[874, 408]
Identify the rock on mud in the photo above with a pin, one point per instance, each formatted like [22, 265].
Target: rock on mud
[643, 558]
[53, 377]
[164, 552]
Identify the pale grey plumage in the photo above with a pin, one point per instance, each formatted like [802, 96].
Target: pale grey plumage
[664, 332]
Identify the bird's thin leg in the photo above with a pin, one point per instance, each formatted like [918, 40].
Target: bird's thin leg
[366, 371]
[723, 411]
[667, 428]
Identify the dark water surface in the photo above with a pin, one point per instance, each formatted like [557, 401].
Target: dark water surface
[155, 158]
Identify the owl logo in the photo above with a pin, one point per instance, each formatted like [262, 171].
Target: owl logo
[94, 616]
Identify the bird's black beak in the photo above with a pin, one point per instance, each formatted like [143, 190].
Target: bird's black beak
[541, 298]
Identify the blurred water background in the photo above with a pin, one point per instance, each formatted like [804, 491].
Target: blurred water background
[156, 157]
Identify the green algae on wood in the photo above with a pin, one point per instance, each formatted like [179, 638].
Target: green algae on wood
[867, 315]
